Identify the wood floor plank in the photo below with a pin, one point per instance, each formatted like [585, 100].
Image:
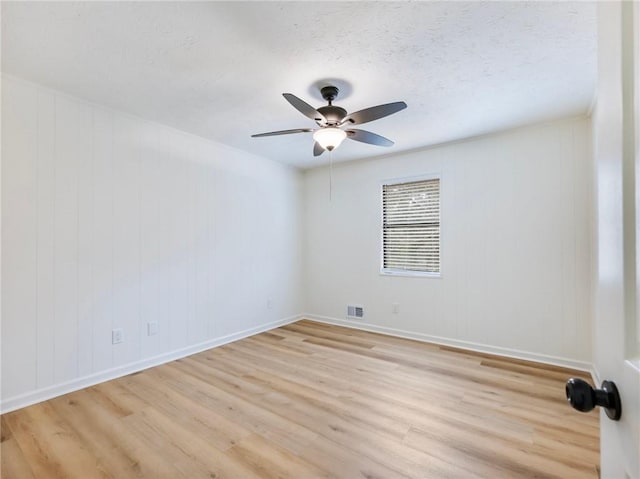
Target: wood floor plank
[101, 432]
[312, 400]
[268, 460]
[46, 441]
[250, 414]
[189, 453]
[18, 466]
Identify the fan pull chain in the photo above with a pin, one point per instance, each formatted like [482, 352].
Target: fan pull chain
[330, 173]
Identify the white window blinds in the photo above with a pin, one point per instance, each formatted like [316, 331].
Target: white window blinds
[411, 226]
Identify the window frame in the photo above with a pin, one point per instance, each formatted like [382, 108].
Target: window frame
[408, 179]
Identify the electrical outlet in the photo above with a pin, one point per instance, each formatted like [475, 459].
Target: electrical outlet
[395, 308]
[269, 303]
[152, 328]
[117, 336]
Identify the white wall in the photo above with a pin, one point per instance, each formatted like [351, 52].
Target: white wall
[515, 245]
[109, 221]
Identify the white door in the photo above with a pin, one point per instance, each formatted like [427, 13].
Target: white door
[617, 240]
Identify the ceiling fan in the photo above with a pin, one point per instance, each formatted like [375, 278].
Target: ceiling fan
[332, 118]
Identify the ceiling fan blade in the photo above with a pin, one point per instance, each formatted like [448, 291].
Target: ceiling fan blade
[283, 132]
[373, 113]
[317, 149]
[368, 137]
[304, 108]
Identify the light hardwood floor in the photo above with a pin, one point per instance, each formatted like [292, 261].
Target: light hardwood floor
[312, 400]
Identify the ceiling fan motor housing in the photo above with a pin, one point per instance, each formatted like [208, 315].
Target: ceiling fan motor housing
[333, 114]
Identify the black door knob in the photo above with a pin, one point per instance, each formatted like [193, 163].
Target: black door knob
[584, 398]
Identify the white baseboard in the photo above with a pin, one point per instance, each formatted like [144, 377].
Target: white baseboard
[471, 346]
[39, 395]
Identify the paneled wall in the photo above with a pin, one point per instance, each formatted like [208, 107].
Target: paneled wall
[111, 222]
[516, 268]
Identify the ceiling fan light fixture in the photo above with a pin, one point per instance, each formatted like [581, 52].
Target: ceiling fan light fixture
[330, 117]
[329, 137]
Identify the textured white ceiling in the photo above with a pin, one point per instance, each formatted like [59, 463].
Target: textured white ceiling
[217, 69]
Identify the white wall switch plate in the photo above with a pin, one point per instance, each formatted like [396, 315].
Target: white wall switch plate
[117, 336]
[152, 328]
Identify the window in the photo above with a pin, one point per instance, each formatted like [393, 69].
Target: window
[411, 227]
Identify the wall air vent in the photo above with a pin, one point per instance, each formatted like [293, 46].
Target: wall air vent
[355, 311]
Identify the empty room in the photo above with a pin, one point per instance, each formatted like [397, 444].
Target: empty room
[348, 240]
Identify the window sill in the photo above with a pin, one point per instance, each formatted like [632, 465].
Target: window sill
[410, 274]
